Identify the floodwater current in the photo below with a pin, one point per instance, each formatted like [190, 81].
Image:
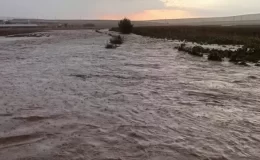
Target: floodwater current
[66, 97]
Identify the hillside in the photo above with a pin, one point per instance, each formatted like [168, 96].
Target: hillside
[250, 19]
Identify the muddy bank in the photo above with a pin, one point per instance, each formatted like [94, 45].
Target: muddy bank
[67, 97]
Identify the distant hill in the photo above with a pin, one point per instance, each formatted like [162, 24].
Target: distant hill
[96, 23]
[249, 19]
[6, 18]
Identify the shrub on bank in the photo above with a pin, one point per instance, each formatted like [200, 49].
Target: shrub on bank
[125, 26]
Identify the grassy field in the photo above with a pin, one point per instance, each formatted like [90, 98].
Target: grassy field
[12, 31]
[204, 34]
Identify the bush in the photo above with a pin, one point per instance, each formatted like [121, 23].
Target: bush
[88, 25]
[110, 46]
[214, 57]
[98, 31]
[8, 22]
[116, 40]
[243, 63]
[125, 26]
[196, 51]
[181, 47]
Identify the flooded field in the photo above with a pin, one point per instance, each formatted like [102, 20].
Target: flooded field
[66, 97]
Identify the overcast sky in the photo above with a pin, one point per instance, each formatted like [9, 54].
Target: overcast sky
[117, 9]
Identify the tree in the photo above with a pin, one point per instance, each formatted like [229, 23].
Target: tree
[8, 22]
[125, 26]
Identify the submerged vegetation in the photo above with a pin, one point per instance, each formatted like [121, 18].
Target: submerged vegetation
[114, 42]
[110, 46]
[239, 56]
[247, 36]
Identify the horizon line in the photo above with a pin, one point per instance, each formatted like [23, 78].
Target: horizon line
[68, 19]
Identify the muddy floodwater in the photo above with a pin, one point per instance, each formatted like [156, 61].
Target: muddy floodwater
[66, 97]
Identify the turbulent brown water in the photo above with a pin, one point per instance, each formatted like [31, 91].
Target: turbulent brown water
[65, 97]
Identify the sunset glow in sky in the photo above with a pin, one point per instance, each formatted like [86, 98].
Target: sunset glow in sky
[117, 9]
[153, 14]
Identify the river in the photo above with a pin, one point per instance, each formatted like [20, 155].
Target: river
[66, 97]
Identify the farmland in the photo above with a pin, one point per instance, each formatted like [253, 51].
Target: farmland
[204, 34]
